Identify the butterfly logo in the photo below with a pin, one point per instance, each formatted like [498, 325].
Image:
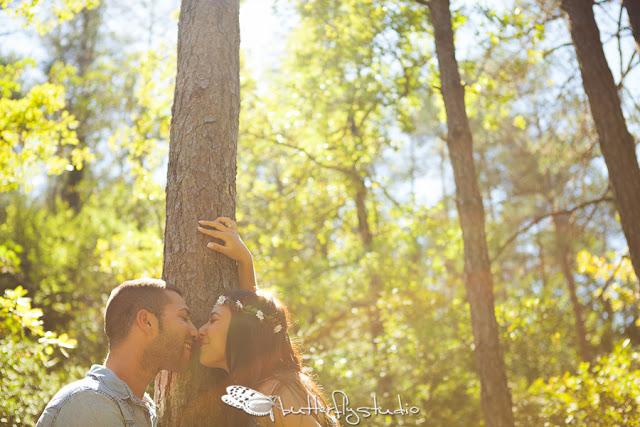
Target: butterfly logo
[250, 401]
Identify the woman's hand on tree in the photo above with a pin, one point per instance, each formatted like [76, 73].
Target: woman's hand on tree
[225, 229]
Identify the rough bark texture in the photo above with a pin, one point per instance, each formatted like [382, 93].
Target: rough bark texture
[565, 256]
[616, 143]
[495, 393]
[633, 11]
[200, 184]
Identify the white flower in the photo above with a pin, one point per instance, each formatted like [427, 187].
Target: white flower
[259, 315]
[239, 305]
[277, 328]
[221, 300]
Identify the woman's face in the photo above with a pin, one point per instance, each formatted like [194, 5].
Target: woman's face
[213, 338]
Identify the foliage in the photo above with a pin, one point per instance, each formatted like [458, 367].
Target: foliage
[144, 137]
[44, 17]
[34, 126]
[603, 394]
[27, 352]
[345, 198]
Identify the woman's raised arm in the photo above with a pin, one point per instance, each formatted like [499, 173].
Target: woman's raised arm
[225, 229]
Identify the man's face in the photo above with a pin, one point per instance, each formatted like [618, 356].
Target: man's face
[172, 347]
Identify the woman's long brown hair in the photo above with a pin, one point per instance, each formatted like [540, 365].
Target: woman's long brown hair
[256, 353]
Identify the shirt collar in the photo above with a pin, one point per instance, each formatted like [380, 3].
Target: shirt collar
[110, 380]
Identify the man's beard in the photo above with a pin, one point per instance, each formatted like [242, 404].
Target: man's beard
[165, 352]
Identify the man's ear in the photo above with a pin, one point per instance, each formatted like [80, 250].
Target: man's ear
[147, 322]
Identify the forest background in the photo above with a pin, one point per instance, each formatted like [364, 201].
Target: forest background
[343, 180]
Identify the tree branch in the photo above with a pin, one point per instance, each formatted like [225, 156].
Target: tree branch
[328, 324]
[538, 219]
[347, 171]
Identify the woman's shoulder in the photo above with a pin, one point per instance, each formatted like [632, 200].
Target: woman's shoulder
[292, 393]
[278, 383]
[276, 378]
[269, 386]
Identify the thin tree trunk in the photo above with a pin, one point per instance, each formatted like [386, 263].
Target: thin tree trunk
[542, 268]
[633, 11]
[495, 393]
[200, 184]
[385, 382]
[632, 331]
[616, 143]
[564, 255]
[77, 48]
[606, 342]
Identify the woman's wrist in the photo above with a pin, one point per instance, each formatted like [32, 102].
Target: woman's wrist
[246, 259]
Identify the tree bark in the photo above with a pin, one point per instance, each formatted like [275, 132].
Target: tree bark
[564, 255]
[633, 11]
[495, 393]
[201, 183]
[616, 143]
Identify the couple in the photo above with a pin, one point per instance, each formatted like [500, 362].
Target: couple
[148, 326]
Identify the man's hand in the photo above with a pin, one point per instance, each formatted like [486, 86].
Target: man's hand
[225, 229]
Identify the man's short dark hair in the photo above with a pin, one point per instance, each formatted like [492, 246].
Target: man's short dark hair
[130, 297]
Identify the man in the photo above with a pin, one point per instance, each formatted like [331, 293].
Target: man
[148, 326]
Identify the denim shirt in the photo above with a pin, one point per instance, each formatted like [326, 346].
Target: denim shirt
[100, 399]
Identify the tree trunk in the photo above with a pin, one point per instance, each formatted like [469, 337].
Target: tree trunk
[376, 325]
[631, 330]
[564, 255]
[201, 183]
[633, 11]
[78, 48]
[616, 143]
[495, 393]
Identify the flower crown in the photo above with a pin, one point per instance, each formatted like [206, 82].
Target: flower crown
[222, 299]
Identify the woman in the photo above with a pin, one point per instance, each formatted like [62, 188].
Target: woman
[247, 335]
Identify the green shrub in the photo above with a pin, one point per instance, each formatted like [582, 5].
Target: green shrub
[604, 393]
[28, 354]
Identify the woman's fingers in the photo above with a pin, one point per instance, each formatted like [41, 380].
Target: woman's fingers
[224, 220]
[228, 222]
[213, 233]
[216, 247]
[210, 223]
[217, 224]
[220, 224]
